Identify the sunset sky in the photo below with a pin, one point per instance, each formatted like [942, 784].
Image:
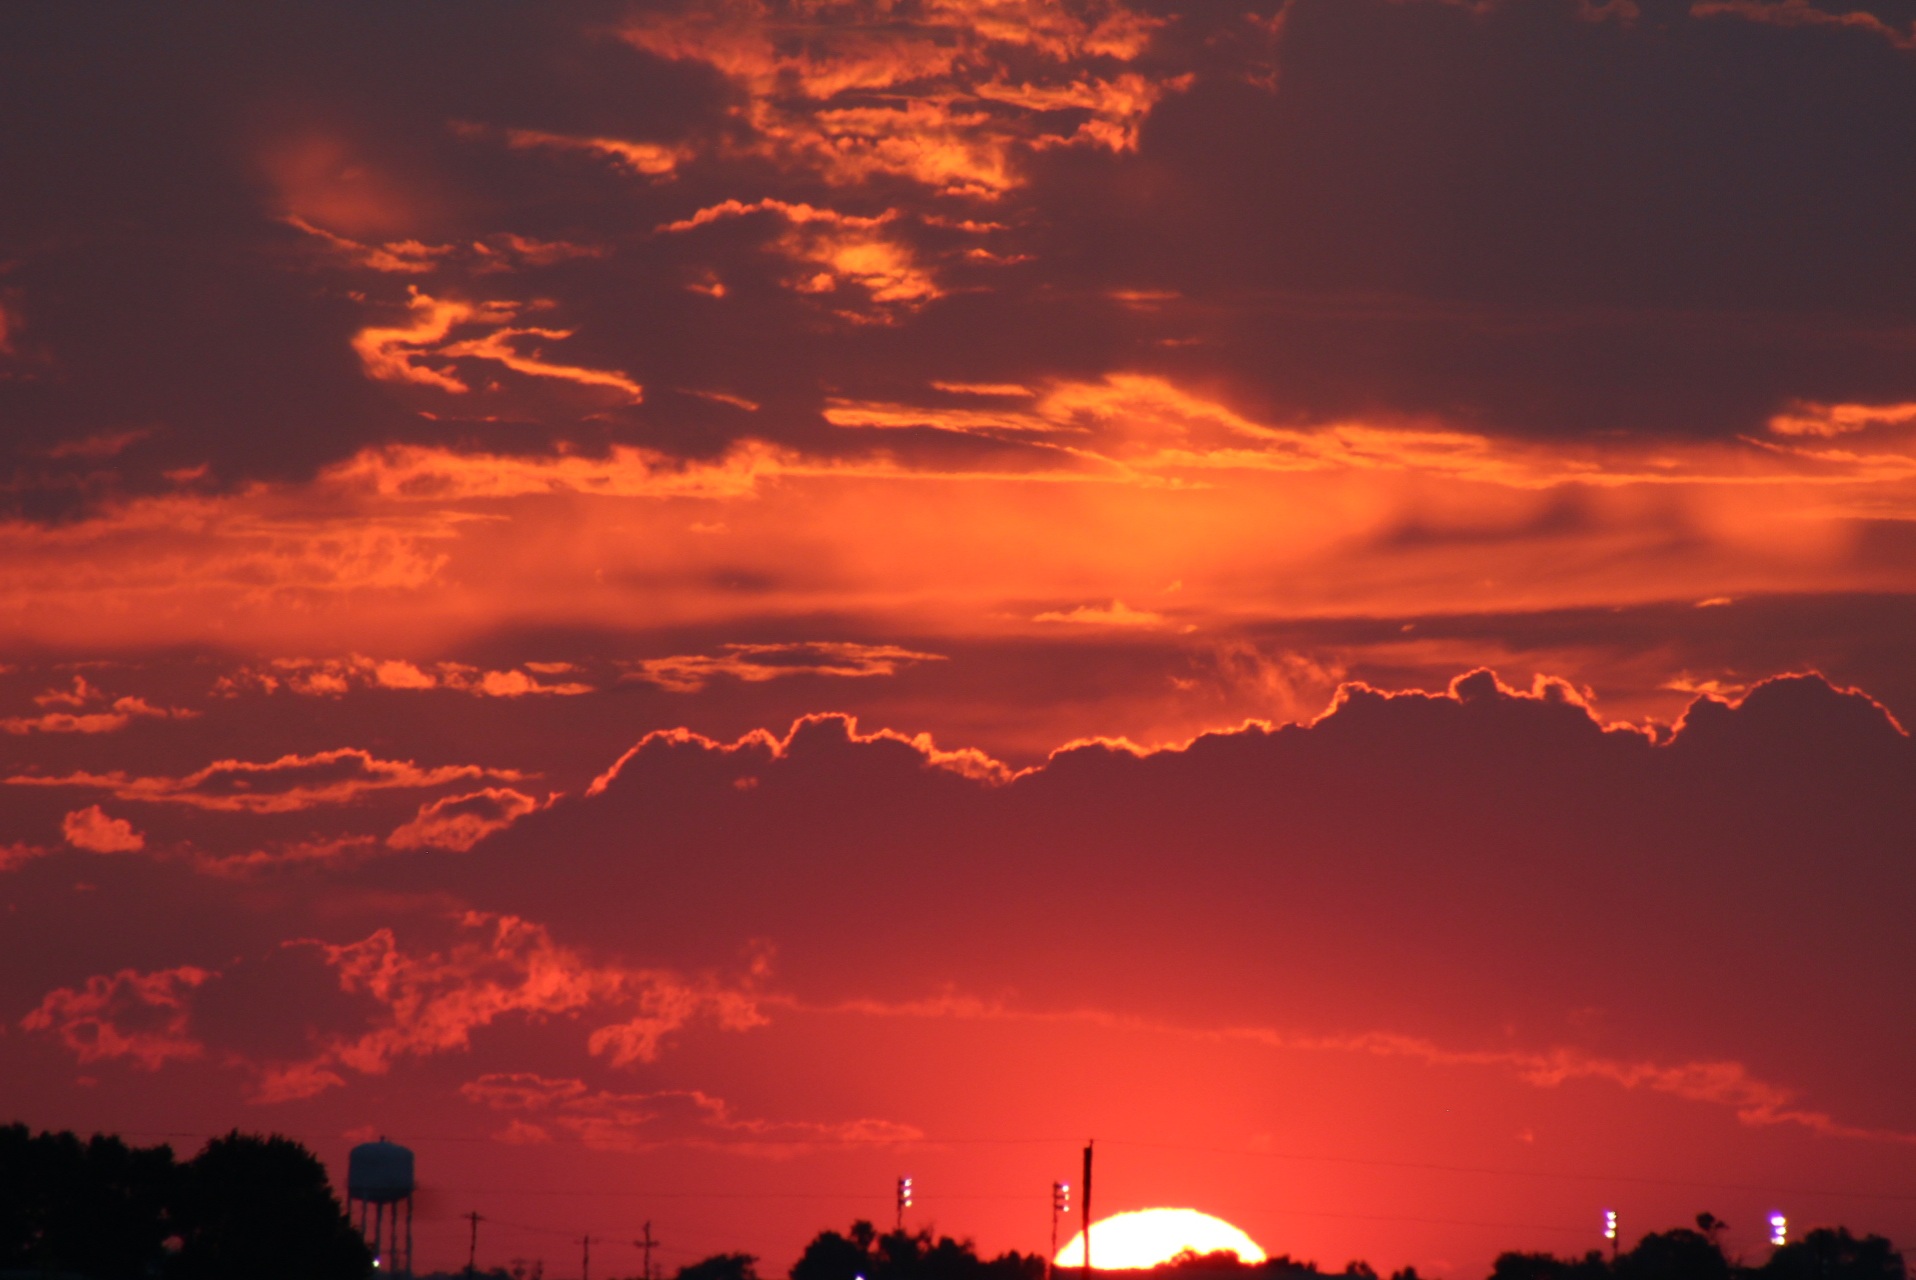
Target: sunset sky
[691, 606]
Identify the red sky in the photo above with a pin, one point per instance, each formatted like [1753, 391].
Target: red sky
[693, 606]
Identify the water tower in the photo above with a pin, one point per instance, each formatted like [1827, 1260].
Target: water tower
[379, 1178]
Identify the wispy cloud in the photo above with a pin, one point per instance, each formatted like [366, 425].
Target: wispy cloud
[284, 785]
[757, 663]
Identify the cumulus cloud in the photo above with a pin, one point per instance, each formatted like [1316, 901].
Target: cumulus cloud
[88, 710]
[92, 830]
[1494, 848]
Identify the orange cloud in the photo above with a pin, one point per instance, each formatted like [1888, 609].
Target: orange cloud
[949, 97]
[92, 830]
[403, 257]
[288, 784]
[757, 663]
[104, 716]
[1115, 614]
[334, 677]
[323, 181]
[1811, 418]
[648, 159]
[138, 1016]
[1088, 490]
[399, 353]
[460, 822]
[431, 1002]
[16, 855]
[833, 249]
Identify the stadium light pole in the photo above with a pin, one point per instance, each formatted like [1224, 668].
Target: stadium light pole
[1060, 1203]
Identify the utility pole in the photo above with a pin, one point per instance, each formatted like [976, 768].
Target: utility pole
[1060, 1203]
[904, 1203]
[585, 1261]
[472, 1246]
[646, 1244]
[1085, 1216]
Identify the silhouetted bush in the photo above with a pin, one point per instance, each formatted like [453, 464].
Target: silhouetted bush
[905, 1255]
[721, 1266]
[1835, 1254]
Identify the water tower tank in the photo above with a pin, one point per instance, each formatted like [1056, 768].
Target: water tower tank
[379, 1172]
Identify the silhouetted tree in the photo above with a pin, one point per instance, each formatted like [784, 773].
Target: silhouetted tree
[1677, 1255]
[97, 1208]
[721, 1266]
[1284, 1267]
[250, 1207]
[1826, 1254]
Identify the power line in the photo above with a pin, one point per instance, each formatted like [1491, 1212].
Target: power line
[928, 1141]
[1518, 1173]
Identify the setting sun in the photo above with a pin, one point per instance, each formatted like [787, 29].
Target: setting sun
[1148, 1237]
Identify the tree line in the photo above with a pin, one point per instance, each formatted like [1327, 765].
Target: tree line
[261, 1208]
[244, 1208]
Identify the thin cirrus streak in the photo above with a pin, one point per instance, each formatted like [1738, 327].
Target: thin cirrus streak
[637, 1121]
[1730, 1085]
[1801, 13]
[334, 677]
[288, 784]
[757, 663]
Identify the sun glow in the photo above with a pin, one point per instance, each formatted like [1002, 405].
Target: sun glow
[1150, 1237]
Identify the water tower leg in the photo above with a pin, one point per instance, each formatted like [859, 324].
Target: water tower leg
[408, 1271]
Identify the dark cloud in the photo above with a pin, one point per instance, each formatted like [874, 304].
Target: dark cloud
[1448, 865]
[1526, 217]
